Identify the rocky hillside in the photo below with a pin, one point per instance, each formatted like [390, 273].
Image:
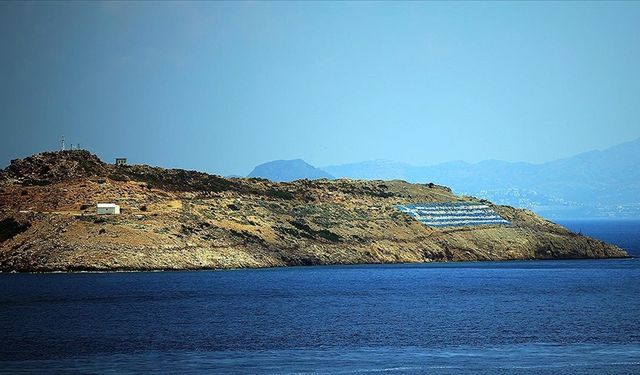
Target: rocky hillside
[177, 219]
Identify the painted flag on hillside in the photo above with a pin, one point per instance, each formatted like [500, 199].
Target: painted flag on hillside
[453, 214]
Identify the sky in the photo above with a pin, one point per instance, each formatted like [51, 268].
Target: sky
[221, 87]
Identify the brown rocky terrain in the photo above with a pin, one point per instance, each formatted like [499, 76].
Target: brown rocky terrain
[177, 219]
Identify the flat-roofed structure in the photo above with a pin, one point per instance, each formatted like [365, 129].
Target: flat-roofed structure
[108, 209]
[453, 214]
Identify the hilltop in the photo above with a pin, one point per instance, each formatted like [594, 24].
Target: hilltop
[178, 219]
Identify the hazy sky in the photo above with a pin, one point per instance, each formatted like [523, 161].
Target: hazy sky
[221, 87]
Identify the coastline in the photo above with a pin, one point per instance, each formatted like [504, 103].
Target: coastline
[434, 264]
[186, 220]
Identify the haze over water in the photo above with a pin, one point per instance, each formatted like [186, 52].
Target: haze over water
[224, 86]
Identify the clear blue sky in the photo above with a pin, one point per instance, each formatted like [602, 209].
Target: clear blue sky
[221, 87]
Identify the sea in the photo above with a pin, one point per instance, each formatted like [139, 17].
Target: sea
[513, 317]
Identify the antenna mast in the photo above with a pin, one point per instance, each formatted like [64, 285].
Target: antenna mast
[62, 144]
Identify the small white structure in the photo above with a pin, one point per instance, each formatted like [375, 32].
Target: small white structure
[108, 209]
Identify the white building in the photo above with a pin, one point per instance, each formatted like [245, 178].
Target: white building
[108, 209]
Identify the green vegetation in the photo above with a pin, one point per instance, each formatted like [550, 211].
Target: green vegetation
[307, 232]
[279, 194]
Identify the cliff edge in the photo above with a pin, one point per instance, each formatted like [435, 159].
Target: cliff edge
[177, 219]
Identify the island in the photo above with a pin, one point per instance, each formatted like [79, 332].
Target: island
[173, 219]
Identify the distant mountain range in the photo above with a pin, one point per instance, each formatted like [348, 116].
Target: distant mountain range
[592, 184]
[288, 170]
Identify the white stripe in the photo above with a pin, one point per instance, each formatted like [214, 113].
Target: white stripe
[445, 223]
[476, 206]
[451, 212]
[459, 218]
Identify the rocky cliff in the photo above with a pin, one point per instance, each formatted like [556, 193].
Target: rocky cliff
[177, 219]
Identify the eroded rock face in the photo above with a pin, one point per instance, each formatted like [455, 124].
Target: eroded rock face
[176, 219]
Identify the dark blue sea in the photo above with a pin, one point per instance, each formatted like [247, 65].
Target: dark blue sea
[526, 317]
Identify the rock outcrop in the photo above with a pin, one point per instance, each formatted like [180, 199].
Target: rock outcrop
[177, 219]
